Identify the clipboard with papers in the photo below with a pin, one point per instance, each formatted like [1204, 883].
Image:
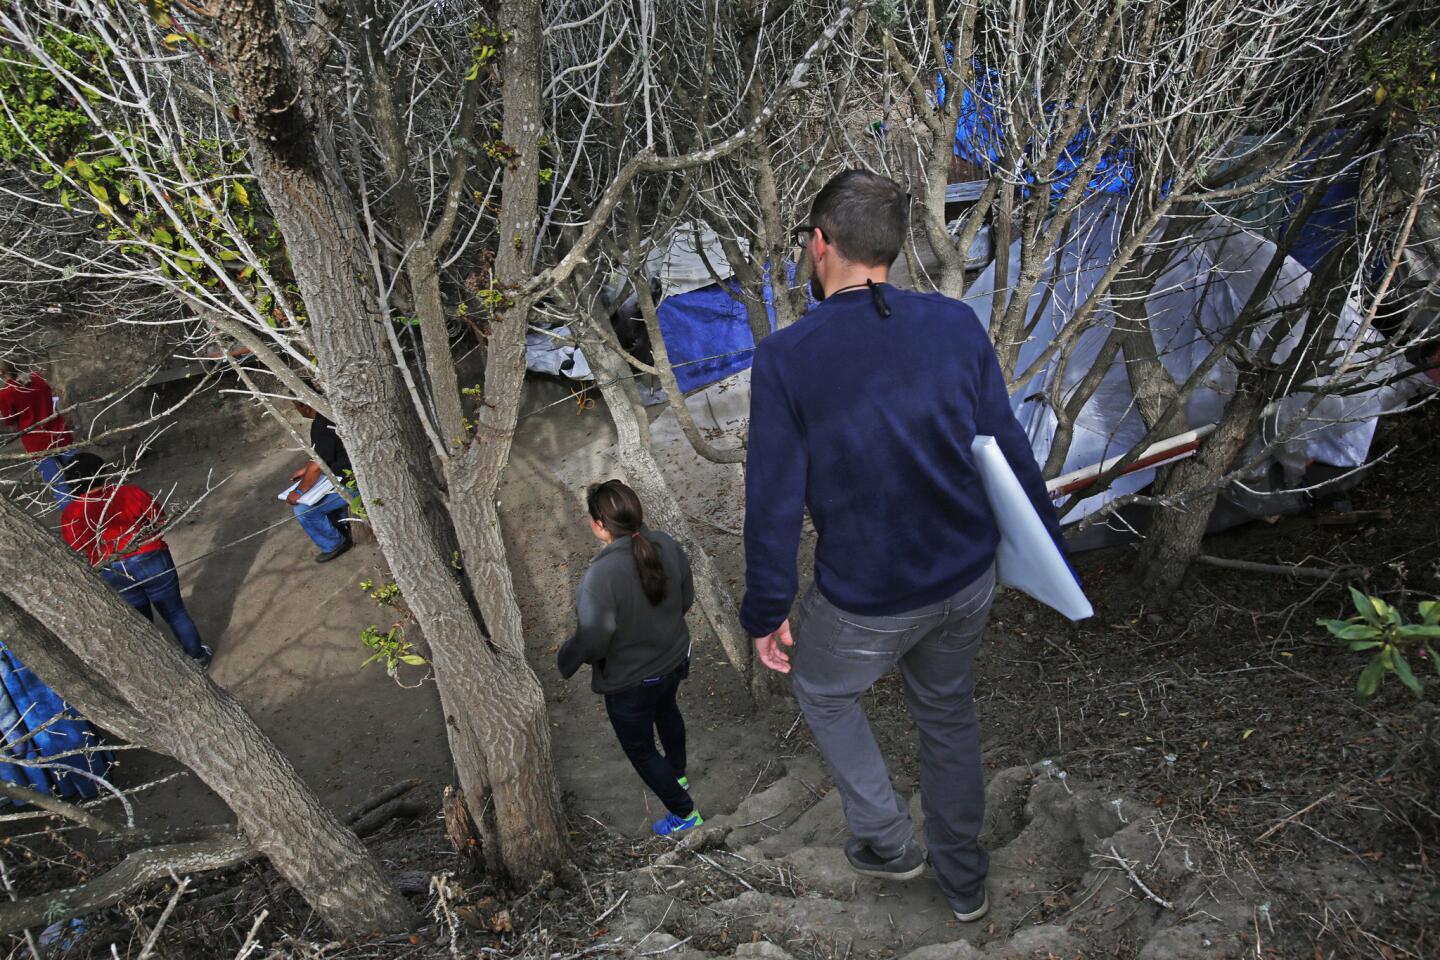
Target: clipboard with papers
[322, 488]
[1027, 558]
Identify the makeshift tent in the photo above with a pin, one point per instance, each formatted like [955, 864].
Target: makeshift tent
[36, 725]
[1195, 301]
[704, 323]
[707, 333]
[980, 137]
[1198, 297]
[691, 257]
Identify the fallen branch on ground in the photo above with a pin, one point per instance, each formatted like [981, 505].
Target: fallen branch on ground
[137, 870]
[1279, 569]
[1292, 818]
[695, 842]
[160, 862]
[1135, 879]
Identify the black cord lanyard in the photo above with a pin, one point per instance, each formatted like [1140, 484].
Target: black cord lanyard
[876, 295]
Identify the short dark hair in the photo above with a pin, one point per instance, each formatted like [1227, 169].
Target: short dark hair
[864, 215]
[84, 470]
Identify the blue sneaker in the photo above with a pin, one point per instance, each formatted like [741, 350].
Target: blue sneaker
[672, 824]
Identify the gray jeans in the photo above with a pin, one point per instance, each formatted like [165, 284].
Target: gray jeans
[838, 656]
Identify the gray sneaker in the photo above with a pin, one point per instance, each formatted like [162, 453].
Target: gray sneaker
[970, 912]
[907, 866]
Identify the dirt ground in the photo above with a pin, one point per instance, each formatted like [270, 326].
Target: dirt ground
[1227, 719]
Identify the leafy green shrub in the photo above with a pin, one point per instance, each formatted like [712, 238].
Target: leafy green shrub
[1380, 629]
[391, 647]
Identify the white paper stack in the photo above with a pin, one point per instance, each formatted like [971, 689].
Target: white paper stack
[1027, 558]
[323, 488]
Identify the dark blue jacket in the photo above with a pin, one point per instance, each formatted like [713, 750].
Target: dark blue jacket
[867, 421]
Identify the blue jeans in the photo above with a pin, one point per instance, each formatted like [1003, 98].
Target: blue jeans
[638, 714]
[322, 521]
[52, 472]
[149, 580]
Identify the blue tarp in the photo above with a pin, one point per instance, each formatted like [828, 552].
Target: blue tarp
[980, 135]
[36, 724]
[707, 333]
[1334, 217]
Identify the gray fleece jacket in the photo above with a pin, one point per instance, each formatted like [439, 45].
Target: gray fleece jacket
[623, 638]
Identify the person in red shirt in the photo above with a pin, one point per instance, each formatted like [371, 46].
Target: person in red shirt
[113, 526]
[27, 406]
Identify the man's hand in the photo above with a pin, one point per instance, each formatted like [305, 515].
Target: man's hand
[293, 498]
[770, 649]
[299, 473]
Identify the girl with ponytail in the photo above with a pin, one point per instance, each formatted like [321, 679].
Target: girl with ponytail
[630, 627]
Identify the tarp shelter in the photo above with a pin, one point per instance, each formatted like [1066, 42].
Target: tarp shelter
[36, 724]
[692, 257]
[1199, 295]
[704, 323]
[980, 137]
[1194, 301]
[707, 333]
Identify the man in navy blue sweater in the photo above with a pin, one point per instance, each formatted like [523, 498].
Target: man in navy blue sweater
[864, 412]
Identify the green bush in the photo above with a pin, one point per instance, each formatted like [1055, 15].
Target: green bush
[1382, 631]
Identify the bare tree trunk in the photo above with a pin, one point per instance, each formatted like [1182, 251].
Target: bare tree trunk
[525, 816]
[1172, 541]
[495, 719]
[82, 639]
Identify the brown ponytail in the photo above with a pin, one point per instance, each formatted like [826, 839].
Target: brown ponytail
[618, 508]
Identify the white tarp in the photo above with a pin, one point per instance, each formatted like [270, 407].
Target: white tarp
[1196, 299]
[678, 265]
[553, 352]
[1193, 304]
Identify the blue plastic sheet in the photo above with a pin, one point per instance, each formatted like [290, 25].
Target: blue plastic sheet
[1334, 217]
[980, 135]
[37, 724]
[707, 333]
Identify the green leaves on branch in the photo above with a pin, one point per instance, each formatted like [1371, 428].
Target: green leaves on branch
[1380, 630]
[485, 47]
[390, 647]
[40, 114]
[1405, 68]
[188, 210]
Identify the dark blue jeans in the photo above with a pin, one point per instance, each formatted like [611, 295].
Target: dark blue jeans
[52, 471]
[640, 712]
[149, 580]
[323, 521]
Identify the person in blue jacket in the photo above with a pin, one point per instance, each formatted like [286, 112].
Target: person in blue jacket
[630, 627]
[863, 412]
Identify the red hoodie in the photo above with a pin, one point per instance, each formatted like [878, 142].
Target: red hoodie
[105, 522]
[25, 406]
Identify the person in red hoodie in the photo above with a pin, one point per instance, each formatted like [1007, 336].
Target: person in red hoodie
[27, 406]
[113, 526]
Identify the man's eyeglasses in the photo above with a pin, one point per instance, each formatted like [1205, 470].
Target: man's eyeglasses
[801, 234]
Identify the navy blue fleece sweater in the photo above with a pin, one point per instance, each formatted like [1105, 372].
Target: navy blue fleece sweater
[867, 421]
